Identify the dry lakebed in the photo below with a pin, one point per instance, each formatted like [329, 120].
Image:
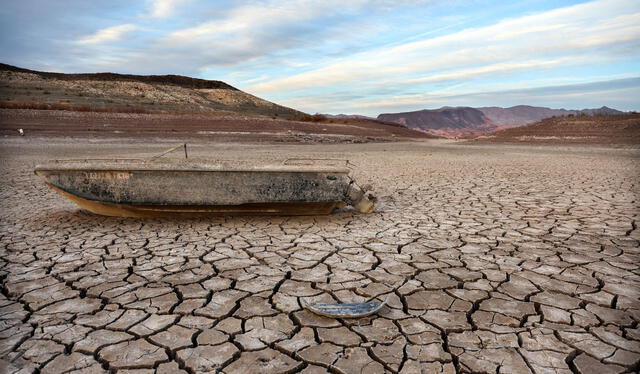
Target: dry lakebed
[494, 259]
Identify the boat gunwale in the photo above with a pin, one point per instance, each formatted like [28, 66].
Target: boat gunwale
[197, 168]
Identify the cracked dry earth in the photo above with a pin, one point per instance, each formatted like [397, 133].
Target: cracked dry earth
[495, 259]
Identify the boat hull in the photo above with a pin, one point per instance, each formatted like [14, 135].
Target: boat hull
[130, 210]
[192, 189]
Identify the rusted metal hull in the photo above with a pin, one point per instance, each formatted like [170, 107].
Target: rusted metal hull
[346, 310]
[150, 190]
[128, 210]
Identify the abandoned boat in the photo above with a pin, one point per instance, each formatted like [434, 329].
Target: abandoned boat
[158, 187]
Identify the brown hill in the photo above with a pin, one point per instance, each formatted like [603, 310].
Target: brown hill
[580, 129]
[177, 80]
[524, 114]
[124, 92]
[446, 121]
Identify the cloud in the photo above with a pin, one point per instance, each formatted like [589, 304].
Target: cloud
[248, 24]
[544, 37]
[488, 70]
[264, 28]
[164, 8]
[108, 34]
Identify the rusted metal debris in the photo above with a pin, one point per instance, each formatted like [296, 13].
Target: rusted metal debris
[346, 310]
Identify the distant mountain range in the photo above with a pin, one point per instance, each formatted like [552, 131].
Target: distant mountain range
[467, 121]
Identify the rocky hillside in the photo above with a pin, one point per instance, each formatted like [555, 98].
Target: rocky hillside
[123, 92]
[467, 121]
[446, 121]
[581, 129]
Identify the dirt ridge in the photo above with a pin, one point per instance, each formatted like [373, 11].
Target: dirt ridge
[124, 92]
[580, 129]
[178, 80]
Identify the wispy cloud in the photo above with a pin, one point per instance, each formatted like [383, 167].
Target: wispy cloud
[109, 34]
[164, 8]
[244, 33]
[531, 41]
[494, 70]
[251, 31]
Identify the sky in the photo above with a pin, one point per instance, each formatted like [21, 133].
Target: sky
[348, 56]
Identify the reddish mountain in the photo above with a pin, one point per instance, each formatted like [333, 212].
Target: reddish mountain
[446, 121]
[466, 121]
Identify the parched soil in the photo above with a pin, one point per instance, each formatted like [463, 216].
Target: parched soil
[494, 259]
[598, 129]
[60, 123]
